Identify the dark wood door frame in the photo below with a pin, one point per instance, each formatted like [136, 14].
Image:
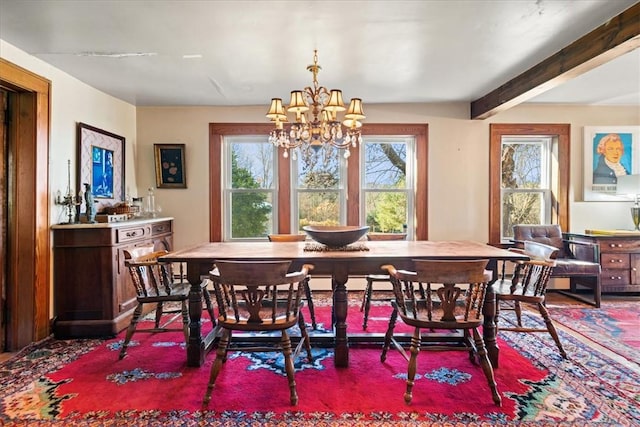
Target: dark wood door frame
[28, 249]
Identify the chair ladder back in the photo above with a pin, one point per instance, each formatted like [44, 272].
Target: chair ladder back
[532, 277]
[464, 281]
[265, 298]
[150, 277]
[478, 293]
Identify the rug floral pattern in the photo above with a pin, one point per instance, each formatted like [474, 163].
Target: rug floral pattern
[591, 388]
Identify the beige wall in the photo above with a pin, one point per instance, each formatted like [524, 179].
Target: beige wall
[458, 159]
[73, 101]
[458, 152]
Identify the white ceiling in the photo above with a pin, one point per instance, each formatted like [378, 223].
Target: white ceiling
[381, 51]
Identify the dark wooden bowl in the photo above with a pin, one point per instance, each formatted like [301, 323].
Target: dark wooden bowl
[335, 236]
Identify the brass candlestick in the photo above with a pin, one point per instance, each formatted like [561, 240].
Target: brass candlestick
[70, 201]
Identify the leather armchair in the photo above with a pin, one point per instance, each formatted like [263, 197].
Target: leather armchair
[578, 261]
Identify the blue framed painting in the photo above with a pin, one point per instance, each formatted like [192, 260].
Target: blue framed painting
[101, 165]
[609, 152]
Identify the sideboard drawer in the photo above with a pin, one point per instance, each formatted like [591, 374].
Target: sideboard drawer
[131, 233]
[614, 260]
[610, 276]
[619, 245]
[160, 228]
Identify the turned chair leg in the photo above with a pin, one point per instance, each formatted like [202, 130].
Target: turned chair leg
[185, 321]
[413, 365]
[221, 356]
[209, 305]
[486, 367]
[551, 328]
[312, 310]
[518, 310]
[367, 302]
[131, 330]
[305, 337]
[159, 310]
[289, 368]
[388, 336]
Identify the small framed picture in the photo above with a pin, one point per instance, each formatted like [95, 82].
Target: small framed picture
[170, 170]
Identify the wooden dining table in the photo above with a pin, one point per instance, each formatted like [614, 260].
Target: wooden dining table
[340, 265]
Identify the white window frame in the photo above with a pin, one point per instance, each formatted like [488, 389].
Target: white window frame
[341, 190]
[410, 176]
[228, 191]
[546, 142]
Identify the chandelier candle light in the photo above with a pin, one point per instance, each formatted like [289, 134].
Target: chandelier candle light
[323, 127]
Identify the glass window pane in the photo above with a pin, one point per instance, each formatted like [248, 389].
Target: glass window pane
[251, 214]
[319, 168]
[385, 165]
[521, 208]
[386, 211]
[522, 165]
[318, 208]
[252, 165]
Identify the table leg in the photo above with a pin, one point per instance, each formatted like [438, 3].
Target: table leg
[195, 346]
[340, 305]
[489, 330]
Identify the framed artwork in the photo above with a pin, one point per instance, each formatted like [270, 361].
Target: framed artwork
[100, 165]
[170, 170]
[609, 151]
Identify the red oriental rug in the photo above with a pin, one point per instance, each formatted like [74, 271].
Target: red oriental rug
[609, 326]
[82, 382]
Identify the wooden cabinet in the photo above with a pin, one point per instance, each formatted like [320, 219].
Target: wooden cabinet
[619, 260]
[92, 290]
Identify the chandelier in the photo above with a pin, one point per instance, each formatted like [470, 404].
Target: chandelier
[322, 127]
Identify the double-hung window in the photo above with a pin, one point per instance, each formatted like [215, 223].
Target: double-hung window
[318, 187]
[255, 191]
[250, 178]
[387, 183]
[525, 182]
[528, 177]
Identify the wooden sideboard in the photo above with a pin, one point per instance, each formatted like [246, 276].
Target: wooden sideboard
[92, 290]
[619, 258]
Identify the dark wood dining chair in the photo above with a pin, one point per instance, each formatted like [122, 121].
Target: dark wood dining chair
[528, 285]
[246, 303]
[367, 296]
[306, 286]
[453, 300]
[156, 285]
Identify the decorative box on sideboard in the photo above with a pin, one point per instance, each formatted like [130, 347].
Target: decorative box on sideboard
[92, 290]
[619, 258]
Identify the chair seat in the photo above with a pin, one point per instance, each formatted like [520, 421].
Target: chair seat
[503, 291]
[573, 267]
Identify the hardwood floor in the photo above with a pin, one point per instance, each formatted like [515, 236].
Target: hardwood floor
[6, 356]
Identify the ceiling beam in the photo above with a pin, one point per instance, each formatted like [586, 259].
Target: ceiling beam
[614, 38]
